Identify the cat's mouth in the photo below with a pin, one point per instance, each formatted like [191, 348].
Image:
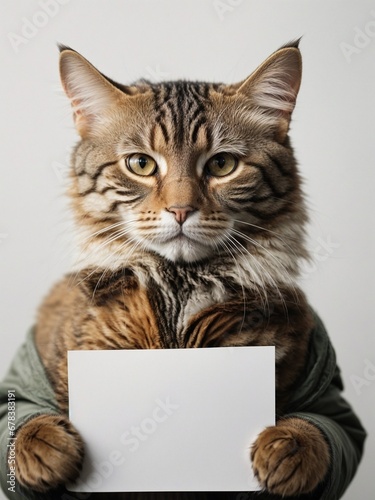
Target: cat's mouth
[183, 247]
[190, 241]
[181, 236]
[184, 239]
[189, 237]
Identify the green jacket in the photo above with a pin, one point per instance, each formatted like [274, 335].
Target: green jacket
[317, 399]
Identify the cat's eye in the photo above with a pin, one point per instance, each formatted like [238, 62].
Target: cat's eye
[141, 164]
[221, 164]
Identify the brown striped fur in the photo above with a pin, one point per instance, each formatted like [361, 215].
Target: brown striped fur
[183, 257]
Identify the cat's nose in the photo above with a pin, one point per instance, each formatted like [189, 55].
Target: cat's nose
[181, 213]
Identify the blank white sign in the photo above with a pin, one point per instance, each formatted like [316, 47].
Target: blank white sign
[170, 420]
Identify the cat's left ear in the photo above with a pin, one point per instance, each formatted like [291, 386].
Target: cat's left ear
[274, 85]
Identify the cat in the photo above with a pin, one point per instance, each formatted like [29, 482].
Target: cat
[192, 224]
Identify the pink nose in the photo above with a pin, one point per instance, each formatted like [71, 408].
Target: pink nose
[181, 213]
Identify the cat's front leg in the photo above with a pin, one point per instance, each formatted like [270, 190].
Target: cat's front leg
[291, 458]
[49, 453]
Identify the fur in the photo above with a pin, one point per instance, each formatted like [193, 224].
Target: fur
[182, 257]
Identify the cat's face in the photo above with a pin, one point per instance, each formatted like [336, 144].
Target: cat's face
[185, 169]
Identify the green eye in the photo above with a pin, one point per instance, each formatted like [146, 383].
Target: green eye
[221, 164]
[141, 164]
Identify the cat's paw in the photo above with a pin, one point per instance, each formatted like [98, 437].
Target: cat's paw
[291, 458]
[49, 452]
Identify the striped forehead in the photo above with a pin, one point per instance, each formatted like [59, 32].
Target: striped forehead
[180, 114]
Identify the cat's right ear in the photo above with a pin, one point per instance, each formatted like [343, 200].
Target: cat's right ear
[92, 95]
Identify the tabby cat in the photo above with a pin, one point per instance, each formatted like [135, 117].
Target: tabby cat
[191, 218]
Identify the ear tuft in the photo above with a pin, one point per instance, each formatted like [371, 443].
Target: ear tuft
[292, 44]
[63, 47]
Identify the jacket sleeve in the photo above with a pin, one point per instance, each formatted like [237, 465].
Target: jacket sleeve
[335, 418]
[24, 393]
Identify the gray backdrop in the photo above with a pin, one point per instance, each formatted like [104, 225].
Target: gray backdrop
[224, 40]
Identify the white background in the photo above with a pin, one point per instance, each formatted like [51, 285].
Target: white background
[333, 133]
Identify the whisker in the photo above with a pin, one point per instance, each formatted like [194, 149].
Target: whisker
[291, 282]
[259, 278]
[259, 245]
[278, 235]
[104, 230]
[241, 282]
[128, 242]
[116, 235]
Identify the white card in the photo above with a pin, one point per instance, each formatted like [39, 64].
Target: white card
[170, 419]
